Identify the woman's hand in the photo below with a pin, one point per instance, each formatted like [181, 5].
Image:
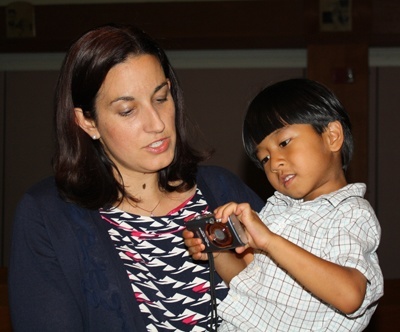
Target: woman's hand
[227, 263]
[195, 245]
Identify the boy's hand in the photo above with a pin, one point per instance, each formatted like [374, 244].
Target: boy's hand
[257, 233]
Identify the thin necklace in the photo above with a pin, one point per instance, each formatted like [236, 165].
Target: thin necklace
[149, 211]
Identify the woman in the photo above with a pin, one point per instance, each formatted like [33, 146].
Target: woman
[98, 247]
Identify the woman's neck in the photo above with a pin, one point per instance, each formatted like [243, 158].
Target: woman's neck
[157, 203]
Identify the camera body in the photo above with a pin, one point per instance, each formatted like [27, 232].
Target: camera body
[217, 235]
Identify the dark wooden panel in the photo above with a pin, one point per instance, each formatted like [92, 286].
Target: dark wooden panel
[388, 162]
[326, 60]
[2, 144]
[5, 320]
[360, 25]
[387, 316]
[29, 140]
[385, 23]
[178, 25]
[246, 24]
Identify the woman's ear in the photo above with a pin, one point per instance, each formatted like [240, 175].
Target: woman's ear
[335, 135]
[88, 125]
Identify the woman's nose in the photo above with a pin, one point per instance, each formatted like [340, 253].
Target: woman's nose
[153, 121]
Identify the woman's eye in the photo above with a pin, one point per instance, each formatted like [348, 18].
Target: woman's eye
[161, 99]
[284, 143]
[126, 112]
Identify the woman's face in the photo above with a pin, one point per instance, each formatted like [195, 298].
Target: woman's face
[136, 116]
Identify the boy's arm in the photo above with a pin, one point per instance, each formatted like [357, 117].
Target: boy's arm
[342, 287]
[228, 264]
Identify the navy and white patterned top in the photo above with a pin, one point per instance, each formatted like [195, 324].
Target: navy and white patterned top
[172, 290]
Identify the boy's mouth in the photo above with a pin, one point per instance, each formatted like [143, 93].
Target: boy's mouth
[287, 178]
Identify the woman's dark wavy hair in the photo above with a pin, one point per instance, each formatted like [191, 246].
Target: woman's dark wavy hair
[83, 171]
[294, 101]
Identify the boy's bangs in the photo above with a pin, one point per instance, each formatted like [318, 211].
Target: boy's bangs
[263, 124]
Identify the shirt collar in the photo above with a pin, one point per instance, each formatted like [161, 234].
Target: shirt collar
[334, 198]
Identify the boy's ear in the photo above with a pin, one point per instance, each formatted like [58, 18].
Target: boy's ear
[335, 135]
[88, 125]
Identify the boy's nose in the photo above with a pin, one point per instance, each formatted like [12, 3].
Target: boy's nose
[276, 163]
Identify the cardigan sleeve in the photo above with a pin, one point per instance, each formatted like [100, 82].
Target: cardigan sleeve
[40, 297]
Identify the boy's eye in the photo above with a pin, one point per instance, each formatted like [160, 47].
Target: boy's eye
[284, 143]
[264, 160]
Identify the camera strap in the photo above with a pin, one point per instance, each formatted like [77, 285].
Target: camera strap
[214, 314]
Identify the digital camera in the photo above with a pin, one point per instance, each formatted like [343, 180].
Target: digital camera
[217, 235]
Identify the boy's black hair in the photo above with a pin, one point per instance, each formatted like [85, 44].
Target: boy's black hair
[294, 101]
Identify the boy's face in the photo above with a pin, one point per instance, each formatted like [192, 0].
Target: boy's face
[300, 163]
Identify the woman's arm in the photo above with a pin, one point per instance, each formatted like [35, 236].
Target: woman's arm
[40, 297]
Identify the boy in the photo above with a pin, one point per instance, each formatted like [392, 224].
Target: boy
[315, 266]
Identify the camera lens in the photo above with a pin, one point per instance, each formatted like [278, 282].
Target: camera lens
[220, 235]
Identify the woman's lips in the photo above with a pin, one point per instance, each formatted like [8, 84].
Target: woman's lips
[158, 146]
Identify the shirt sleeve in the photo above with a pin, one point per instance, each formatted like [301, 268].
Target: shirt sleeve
[353, 242]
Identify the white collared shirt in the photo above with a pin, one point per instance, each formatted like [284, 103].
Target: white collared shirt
[340, 227]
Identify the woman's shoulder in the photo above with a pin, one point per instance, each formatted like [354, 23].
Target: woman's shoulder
[40, 199]
[215, 171]
[44, 187]
[43, 198]
[44, 192]
[225, 186]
